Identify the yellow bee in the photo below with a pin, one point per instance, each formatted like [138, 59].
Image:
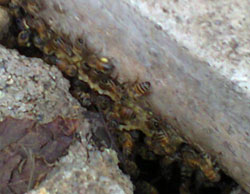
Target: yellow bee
[23, 38]
[154, 123]
[48, 48]
[145, 153]
[127, 113]
[139, 89]
[78, 46]
[163, 140]
[41, 28]
[64, 65]
[83, 65]
[38, 42]
[108, 84]
[71, 70]
[103, 102]
[131, 168]
[14, 10]
[142, 88]
[202, 162]
[113, 122]
[208, 168]
[160, 143]
[99, 82]
[127, 143]
[101, 64]
[32, 6]
[168, 164]
[84, 98]
[62, 48]
[23, 24]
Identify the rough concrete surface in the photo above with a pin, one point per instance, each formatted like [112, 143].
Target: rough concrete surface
[214, 31]
[195, 54]
[31, 89]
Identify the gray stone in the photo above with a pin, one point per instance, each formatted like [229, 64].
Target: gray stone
[39, 91]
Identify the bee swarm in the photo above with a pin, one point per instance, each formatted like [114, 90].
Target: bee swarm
[143, 140]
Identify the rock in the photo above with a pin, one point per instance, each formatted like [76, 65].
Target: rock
[31, 89]
[83, 173]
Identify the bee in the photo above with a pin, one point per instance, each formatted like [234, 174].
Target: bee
[78, 46]
[130, 168]
[99, 83]
[108, 84]
[208, 168]
[32, 7]
[39, 43]
[14, 10]
[186, 172]
[64, 65]
[83, 65]
[22, 23]
[167, 160]
[176, 140]
[84, 98]
[78, 85]
[113, 122]
[153, 123]
[127, 143]
[101, 64]
[71, 70]
[168, 165]
[139, 89]
[41, 28]
[47, 48]
[60, 63]
[96, 77]
[144, 187]
[103, 102]
[23, 38]
[127, 113]
[145, 154]
[62, 48]
[160, 143]
[201, 162]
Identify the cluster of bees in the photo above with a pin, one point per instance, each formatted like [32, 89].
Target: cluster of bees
[136, 130]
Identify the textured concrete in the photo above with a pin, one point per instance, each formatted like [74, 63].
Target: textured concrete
[195, 53]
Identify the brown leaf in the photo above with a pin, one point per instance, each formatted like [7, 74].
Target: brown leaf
[28, 150]
[13, 129]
